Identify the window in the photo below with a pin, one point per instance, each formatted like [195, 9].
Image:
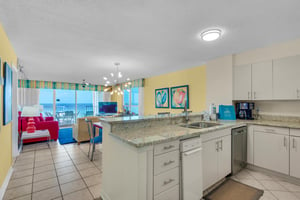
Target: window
[65, 107]
[46, 100]
[68, 105]
[131, 101]
[85, 105]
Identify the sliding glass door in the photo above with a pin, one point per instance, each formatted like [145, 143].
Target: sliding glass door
[68, 105]
[46, 100]
[85, 106]
[65, 107]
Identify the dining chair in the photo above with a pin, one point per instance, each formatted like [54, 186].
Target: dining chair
[93, 138]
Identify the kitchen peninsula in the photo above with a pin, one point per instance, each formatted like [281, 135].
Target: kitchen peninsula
[131, 146]
[141, 154]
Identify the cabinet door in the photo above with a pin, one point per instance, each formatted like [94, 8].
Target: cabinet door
[262, 81]
[286, 82]
[224, 157]
[295, 156]
[210, 163]
[242, 82]
[250, 145]
[271, 151]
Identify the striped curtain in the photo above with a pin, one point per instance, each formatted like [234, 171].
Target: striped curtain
[57, 85]
[133, 84]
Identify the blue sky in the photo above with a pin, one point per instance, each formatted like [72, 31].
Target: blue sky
[65, 96]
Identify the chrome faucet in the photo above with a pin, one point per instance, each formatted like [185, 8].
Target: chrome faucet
[186, 112]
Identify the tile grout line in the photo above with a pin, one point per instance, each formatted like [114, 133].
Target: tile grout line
[56, 174]
[264, 186]
[79, 173]
[33, 173]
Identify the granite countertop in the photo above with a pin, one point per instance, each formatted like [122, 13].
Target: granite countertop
[149, 136]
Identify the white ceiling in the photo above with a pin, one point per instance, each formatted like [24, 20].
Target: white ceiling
[69, 40]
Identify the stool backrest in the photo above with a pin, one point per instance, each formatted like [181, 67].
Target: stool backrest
[90, 127]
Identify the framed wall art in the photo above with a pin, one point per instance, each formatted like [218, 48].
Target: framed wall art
[7, 94]
[180, 97]
[162, 98]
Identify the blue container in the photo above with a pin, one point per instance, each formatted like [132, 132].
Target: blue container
[227, 112]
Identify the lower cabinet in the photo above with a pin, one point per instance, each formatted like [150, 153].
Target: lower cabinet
[271, 148]
[250, 145]
[295, 153]
[216, 156]
[166, 171]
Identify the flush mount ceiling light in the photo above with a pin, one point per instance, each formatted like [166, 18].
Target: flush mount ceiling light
[211, 35]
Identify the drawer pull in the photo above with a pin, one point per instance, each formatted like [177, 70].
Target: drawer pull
[168, 147]
[270, 130]
[169, 163]
[168, 181]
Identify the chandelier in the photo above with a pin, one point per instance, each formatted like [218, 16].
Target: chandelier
[115, 79]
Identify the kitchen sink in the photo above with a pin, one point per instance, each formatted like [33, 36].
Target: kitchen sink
[199, 125]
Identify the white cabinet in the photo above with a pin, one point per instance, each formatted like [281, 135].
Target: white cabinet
[210, 163]
[242, 82]
[295, 153]
[166, 171]
[224, 165]
[253, 81]
[216, 156]
[271, 148]
[250, 144]
[262, 81]
[286, 82]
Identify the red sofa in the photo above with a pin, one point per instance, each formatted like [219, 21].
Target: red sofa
[41, 123]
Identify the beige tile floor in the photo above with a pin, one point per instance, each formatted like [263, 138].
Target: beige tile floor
[275, 188]
[65, 172]
[58, 172]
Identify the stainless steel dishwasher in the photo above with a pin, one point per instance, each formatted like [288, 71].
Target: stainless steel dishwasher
[238, 149]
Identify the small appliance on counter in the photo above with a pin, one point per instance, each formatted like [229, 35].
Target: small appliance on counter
[227, 112]
[244, 110]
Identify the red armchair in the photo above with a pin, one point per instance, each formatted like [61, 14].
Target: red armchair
[41, 123]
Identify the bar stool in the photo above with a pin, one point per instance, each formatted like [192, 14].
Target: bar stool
[93, 137]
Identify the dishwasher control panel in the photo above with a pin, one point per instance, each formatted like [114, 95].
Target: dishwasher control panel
[189, 144]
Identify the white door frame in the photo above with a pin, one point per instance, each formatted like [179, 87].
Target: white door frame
[15, 134]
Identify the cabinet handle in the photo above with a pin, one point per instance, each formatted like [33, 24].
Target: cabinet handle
[248, 95]
[168, 147]
[284, 142]
[217, 146]
[221, 145]
[168, 181]
[297, 93]
[169, 162]
[254, 95]
[294, 143]
[270, 130]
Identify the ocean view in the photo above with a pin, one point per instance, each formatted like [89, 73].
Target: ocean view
[82, 108]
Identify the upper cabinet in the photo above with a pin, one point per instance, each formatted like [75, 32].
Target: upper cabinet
[262, 81]
[253, 81]
[242, 82]
[286, 81]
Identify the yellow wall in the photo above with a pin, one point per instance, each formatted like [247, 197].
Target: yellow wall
[119, 99]
[7, 54]
[194, 77]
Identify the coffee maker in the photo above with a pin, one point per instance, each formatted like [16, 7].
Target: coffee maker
[244, 110]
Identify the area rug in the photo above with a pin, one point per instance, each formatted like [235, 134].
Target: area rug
[233, 190]
[65, 136]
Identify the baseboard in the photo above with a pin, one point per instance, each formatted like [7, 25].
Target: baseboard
[273, 173]
[5, 182]
[104, 196]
